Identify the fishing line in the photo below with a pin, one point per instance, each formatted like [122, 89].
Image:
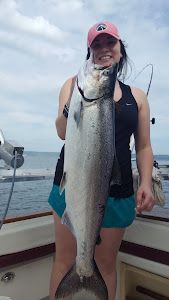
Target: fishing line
[151, 76]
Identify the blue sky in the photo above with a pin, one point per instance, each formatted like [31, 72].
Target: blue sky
[43, 42]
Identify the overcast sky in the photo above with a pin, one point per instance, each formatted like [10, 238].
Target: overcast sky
[43, 42]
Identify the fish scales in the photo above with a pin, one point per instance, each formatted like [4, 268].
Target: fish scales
[88, 164]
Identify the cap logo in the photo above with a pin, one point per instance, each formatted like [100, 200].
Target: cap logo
[101, 27]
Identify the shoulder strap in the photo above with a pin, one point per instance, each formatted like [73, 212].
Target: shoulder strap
[125, 88]
[126, 91]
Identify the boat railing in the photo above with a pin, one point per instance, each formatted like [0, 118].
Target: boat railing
[12, 154]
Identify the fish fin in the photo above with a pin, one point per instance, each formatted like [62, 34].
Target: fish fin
[78, 114]
[116, 173]
[66, 221]
[62, 183]
[72, 283]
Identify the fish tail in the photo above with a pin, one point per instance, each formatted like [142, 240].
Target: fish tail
[96, 284]
[73, 283]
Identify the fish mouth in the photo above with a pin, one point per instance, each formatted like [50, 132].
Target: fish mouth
[100, 67]
[106, 70]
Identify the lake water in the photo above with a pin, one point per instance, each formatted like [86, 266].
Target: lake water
[32, 196]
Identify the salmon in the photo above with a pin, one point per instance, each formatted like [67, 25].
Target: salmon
[90, 167]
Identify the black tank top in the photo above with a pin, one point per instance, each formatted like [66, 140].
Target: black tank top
[126, 120]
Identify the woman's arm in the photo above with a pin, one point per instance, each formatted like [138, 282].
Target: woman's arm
[64, 97]
[144, 155]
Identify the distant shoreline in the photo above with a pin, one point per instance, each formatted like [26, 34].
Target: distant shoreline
[54, 153]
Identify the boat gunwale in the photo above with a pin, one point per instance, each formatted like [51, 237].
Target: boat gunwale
[141, 251]
[48, 213]
[27, 217]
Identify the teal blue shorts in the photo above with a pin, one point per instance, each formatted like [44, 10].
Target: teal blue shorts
[119, 212]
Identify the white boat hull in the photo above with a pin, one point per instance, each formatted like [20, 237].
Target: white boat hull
[32, 276]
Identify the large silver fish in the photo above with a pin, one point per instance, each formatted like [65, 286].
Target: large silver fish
[90, 164]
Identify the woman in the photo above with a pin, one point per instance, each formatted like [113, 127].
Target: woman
[132, 116]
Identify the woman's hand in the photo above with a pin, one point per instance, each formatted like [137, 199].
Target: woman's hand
[144, 199]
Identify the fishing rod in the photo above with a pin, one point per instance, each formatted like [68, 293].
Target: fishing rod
[149, 84]
[132, 142]
[151, 76]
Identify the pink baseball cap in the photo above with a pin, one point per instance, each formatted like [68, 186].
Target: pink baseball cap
[102, 27]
